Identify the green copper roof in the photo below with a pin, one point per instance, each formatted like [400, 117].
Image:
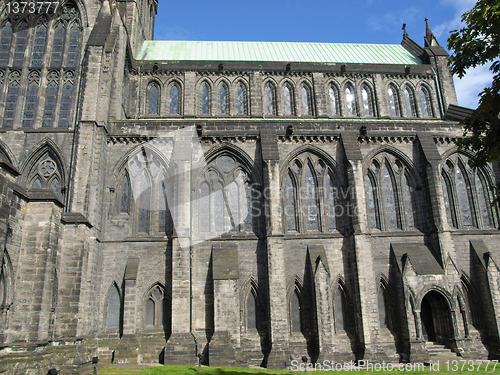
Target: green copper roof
[277, 52]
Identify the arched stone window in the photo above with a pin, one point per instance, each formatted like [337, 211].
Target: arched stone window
[288, 99]
[11, 99]
[58, 45]
[226, 197]
[205, 105]
[5, 42]
[340, 311]
[333, 100]
[174, 99]
[383, 316]
[393, 197]
[31, 100]
[270, 99]
[51, 93]
[425, 101]
[307, 108]
[125, 194]
[410, 102]
[311, 195]
[241, 99]
[156, 309]
[113, 309]
[350, 98]
[223, 99]
[39, 44]
[394, 100]
[46, 172]
[467, 194]
[154, 99]
[367, 97]
[21, 43]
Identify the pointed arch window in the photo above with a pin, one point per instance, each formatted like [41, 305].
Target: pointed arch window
[74, 46]
[466, 194]
[288, 100]
[39, 46]
[154, 95]
[392, 197]
[143, 203]
[269, 102]
[332, 94]
[306, 100]
[30, 104]
[49, 112]
[46, 174]
[174, 100]
[58, 46]
[251, 312]
[223, 99]
[350, 100]
[156, 308]
[11, 101]
[5, 43]
[225, 197]
[241, 99]
[410, 102]
[113, 309]
[382, 308]
[311, 196]
[366, 96]
[204, 99]
[21, 42]
[394, 101]
[425, 101]
[6, 281]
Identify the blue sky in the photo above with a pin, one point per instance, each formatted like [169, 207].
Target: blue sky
[326, 21]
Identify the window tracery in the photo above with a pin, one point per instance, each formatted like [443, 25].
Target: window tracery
[288, 99]
[467, 194]
[350, 100]
[174, 99]
[425, 101]
[241, 99]
[39, 44]
[394, 100]
[31, 100]
[312, 195]
[269, 101]
[392, 197]
[46, 174]
[333, 98]
[156, 308]
[227, 197]
[11, 99]
[410, 102]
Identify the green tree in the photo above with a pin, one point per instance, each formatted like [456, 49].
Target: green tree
[478, 43]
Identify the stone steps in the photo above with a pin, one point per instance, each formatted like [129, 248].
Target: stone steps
[438, 350]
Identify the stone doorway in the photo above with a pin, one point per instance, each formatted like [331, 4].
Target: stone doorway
[436, 320]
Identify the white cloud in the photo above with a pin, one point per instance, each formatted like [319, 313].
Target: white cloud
[469, 87]
[461, 6]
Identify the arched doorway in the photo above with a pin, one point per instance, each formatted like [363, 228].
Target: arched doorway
[436, 320]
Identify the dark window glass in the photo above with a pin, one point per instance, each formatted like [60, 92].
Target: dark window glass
[408, 202]
[125, 195]
[66, 98]
[50, 104]
[389, 199]
[339, 311]
[37, 183]
[290, 204]
[150, 313]
[447, 202]
[310, 202]
[295, 313]
[58, 46]
[219, 207]
[153, 100]
[55, 187]
[463, 197]
[330, 202]
[251, 313]
[5, 44]
[288, 101]
[10, 104]
[370, 202]
[249, 209]
[74, 45]
[21, 41]
[483, 200]
[30, 105]
[113, 312]
[144, 202]
[39, 46]
[305, 100]
[333, 101]
[382, 313]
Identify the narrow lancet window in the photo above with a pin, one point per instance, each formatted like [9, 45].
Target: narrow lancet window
[333, 101]
[366, 101]
[269, 100]
[204, 99]
[295, 313]
[58, 46]
[251, 313]
[74, 44]
[174, 100]
[389, 199]
[339, 311]
[50, 104]
[310, 203]
[483, 201]
[21, 41]
[67, 95]
[288, 101]
[330, 202]
[392, 102]
[349, 94]
[113, 311]
[305, 101]
[5, 42]
[408, 202]
[223, 100]
[153, 100]
[463, 197]
[205, 208]
[370, 202]
[30, 105]
[39, 46]
[219, 207]
[10, 104]
[241, 100]
[447, 202]
[424, 99]
[290, 204]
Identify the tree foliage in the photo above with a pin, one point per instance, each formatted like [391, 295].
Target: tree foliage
[478, 43]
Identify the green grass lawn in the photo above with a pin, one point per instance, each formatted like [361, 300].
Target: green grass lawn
[193, 370]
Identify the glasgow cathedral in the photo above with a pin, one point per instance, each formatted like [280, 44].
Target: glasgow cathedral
[234, 203]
